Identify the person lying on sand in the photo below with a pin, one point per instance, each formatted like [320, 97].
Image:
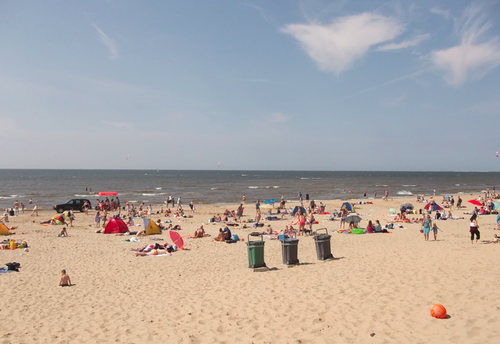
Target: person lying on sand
[148, 248]
[10, 228]
[151, 253]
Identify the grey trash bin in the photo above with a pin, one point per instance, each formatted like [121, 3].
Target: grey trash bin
[289, 248]
[323, 248]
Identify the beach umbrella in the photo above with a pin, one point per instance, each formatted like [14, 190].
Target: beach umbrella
[353, 218]
[497, 206]
[405, 206]
[302, 210]
[177, 239]
[475, 202]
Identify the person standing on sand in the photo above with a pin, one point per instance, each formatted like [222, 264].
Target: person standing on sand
[474, 229]
[426, 227]
[343, 215]
[97, 219]
[35, 210]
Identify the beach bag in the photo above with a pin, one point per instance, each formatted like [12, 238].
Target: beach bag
[235, 237]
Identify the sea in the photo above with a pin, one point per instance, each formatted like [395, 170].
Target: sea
[49, 187]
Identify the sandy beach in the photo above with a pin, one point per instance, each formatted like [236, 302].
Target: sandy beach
[378, 289]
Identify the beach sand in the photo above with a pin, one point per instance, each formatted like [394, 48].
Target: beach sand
[378, 289]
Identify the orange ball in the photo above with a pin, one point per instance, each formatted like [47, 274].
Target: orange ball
[438, 311]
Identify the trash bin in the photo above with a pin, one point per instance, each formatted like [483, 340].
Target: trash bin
[255, 251]
[289, 248]
[323, 249]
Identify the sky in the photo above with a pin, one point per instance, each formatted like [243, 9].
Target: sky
[250, 85]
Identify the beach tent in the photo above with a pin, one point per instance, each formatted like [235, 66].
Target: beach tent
[3, 229]
[405, 206]
[433, 207]
[59, 219]
[302, 210]
[151, 227]
[115, 225]
[348, 206]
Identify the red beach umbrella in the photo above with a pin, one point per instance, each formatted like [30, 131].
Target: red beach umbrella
[475, 202]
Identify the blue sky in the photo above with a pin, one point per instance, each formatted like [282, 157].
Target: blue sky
[292, 85]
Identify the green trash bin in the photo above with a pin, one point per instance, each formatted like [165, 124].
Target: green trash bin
[255, 251]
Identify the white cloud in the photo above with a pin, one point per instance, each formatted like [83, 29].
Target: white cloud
[108, 42]
[278, 117]
[474, 57]
[404, 44]
[336, 46]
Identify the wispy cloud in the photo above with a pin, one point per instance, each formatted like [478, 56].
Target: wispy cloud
[387, 83]
[405, 44]
[474, 57]
[120, 125]
[249, 80]
[336, 46]
[444, 13]
[108, 43]
[259, 9]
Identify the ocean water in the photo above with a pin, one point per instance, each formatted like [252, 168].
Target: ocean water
[49, 187]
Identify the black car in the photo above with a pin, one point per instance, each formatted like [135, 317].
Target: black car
[72, 204]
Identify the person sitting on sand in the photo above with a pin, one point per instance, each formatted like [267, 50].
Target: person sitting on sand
[63, 233]
[158, 223]
[5, 216]
[370, 228]
[227, 233]
[65, 281]
[221, 237]
[269, 230]
[496, 239]
[199, 233]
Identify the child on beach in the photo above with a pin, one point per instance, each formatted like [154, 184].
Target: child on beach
[65, 280]
[435, 230]
[63, 233]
